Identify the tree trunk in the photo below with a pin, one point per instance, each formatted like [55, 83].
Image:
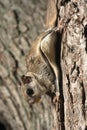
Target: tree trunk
[20, 22]
[74, 65]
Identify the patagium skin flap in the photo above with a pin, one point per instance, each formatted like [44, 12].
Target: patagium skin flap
[42, 70]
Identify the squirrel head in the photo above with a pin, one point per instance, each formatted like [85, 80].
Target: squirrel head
[34, 86]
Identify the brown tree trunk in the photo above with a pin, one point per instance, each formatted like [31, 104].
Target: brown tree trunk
[73, 63]
[18, 22]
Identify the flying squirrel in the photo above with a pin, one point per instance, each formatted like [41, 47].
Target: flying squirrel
[42, 70]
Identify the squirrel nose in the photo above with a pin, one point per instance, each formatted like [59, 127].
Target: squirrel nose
[26, 79]
[29, 92]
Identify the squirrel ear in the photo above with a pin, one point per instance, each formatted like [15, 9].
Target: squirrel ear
[26, 79]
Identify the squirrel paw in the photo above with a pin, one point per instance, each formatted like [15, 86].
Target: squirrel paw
[56, 98]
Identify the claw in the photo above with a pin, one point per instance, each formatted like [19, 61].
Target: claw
[56, 98]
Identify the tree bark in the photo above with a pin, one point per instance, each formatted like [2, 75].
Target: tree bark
[18, 22]
[73, 63]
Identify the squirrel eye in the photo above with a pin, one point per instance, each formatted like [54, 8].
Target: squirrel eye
[29, 92]
[26, 79]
